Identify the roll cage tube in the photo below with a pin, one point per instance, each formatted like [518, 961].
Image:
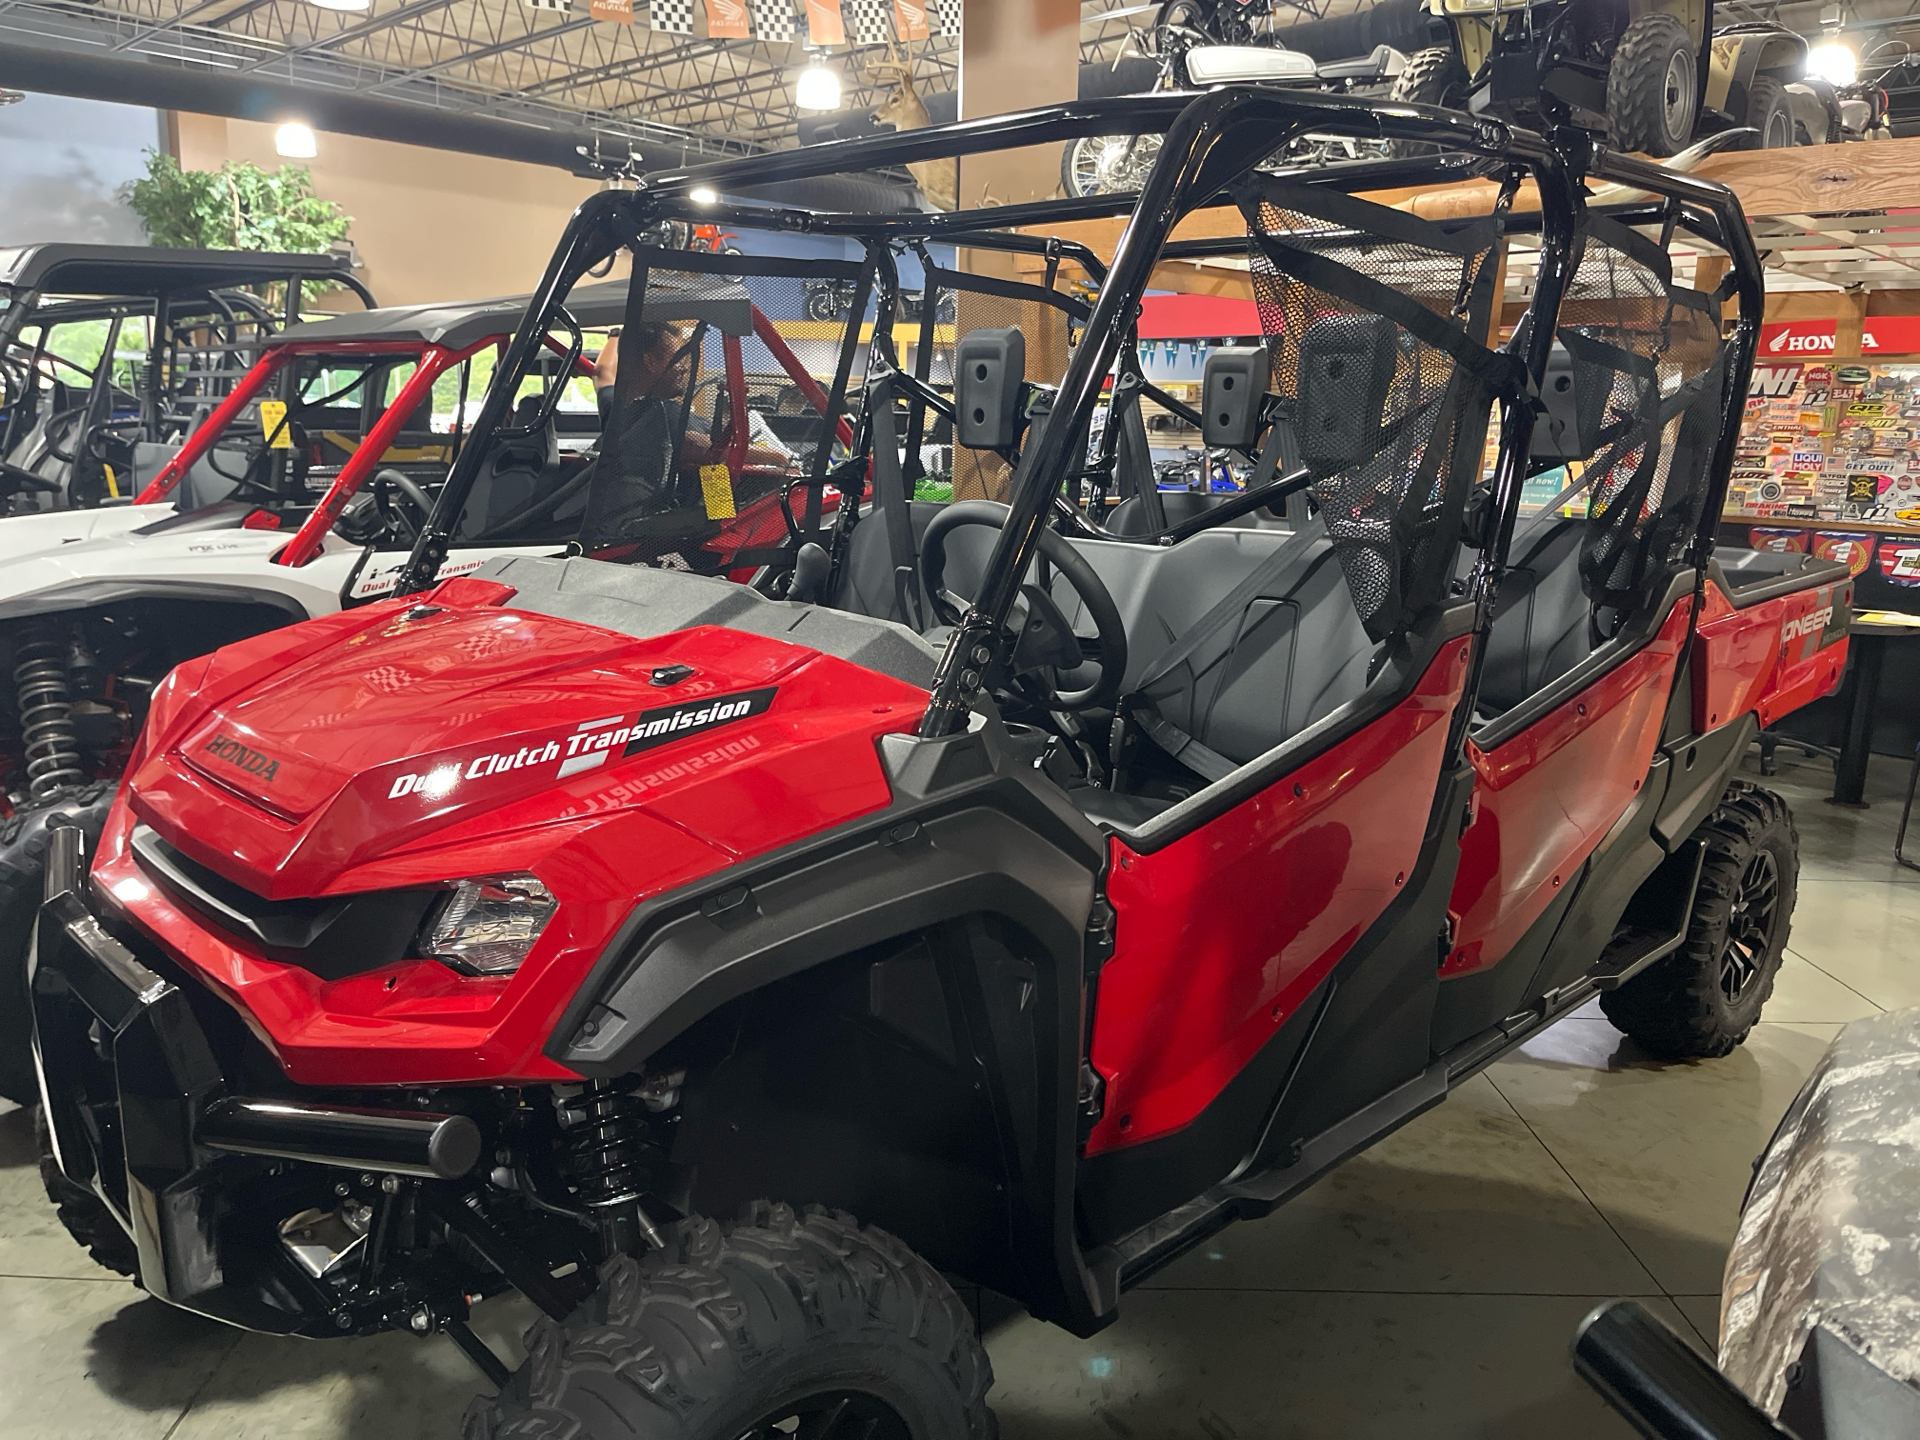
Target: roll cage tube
[591, 236]
[1186, 172]
[214, 426]
[434, 362]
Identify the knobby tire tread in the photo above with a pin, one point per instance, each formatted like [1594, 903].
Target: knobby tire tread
[1674, 1008]
[1636, 85]
[670, 1341]
[83, 1213]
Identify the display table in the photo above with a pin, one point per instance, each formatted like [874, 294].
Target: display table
[1872, 631]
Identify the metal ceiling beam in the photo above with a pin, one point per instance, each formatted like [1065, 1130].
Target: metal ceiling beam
[187, 13]
[485, 52]
[354, 32]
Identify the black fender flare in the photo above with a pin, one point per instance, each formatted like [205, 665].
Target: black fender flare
[682, 956]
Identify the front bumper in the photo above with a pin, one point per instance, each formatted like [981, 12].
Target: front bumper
[127, 1076]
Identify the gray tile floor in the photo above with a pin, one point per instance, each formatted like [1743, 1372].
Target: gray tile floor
[1426, 1288]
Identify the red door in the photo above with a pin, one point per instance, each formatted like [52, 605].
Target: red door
[1224, 933]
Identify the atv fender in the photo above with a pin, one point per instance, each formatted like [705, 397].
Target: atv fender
[1699, 767]
[970, 835]
[688, 954]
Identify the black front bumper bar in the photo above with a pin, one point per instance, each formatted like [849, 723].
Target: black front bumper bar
[139, 1114]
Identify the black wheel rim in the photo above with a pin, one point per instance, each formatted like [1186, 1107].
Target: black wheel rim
[831, 1415]
[1750, 926]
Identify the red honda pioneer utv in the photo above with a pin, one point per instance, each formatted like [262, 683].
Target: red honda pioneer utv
[719, 965]
[255, 523]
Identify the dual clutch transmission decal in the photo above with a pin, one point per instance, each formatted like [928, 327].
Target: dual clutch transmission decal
[596, 740]
[591, 743]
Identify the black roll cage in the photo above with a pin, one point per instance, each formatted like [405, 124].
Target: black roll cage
[1212, 140]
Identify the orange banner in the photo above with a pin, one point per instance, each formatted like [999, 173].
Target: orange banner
[620, 12]
[910, 17]
[824, 26]
[727, 20]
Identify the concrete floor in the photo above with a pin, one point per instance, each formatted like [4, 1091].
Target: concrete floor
[1427, 1288]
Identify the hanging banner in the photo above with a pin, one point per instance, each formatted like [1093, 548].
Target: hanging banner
[910, 19]
[727, 20]
[824, 26]
[674, 17]
[1879, 335]
[1900, 560]
[1783, 541]
[949, 12]
[1850, 548]
[620, 12]
[868, 20]
[773, 20]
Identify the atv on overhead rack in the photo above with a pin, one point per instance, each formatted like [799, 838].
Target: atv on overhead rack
[1650, 75]
[985, 890]
[277, 510]
[111, 354]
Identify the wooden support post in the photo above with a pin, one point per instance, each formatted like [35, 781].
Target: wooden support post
[1852, 320]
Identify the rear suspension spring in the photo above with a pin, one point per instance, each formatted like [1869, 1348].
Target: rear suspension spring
[51, 743]
[608, 1143]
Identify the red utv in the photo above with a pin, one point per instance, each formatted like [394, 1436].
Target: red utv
[1017, 891]
[303, 493]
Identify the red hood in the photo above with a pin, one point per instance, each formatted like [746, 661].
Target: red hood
[468, 721]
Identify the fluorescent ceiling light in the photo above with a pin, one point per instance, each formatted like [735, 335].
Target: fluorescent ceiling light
[295, 141]
[344, 4]
[703, 195]
[1833, 62]
[818, 88]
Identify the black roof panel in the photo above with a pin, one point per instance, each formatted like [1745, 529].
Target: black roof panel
[64, 269]
[724, 305]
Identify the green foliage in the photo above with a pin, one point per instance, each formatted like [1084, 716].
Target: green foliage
[237, 207]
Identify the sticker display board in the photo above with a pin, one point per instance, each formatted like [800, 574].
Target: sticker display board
[1830, 441]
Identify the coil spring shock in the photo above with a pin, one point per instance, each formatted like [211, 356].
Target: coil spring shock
[607, 1140]
[46, 713]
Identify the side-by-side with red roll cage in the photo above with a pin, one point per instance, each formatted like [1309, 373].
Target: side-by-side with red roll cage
[1021, 891]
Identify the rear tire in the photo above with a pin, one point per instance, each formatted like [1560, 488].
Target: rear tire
[1434, 76]
[1653, 88]
[1771, 113]
[735, 1331]
[84, 1213]
[1703, 999]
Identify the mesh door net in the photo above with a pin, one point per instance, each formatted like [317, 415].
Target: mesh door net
[1375, 321]
[1649, 369]
[730, 393]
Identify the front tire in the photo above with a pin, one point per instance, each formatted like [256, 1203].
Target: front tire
[1653, 89]
[759, 1330]
[23, 867]
[1703, 999]
[84, 1213]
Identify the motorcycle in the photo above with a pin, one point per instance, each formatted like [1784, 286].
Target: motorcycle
[1198, 44]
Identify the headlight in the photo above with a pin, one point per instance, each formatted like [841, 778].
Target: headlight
[487, 926]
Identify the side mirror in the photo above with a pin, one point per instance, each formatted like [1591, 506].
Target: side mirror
[989, 366]
[1232, 386]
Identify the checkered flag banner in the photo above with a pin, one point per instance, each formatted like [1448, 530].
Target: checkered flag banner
[548, 4]
[675, 17]
[947, 20]
[869, 22]
[772, 19]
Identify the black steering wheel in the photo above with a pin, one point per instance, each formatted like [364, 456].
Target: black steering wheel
[1111, 645]
[389, 485]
